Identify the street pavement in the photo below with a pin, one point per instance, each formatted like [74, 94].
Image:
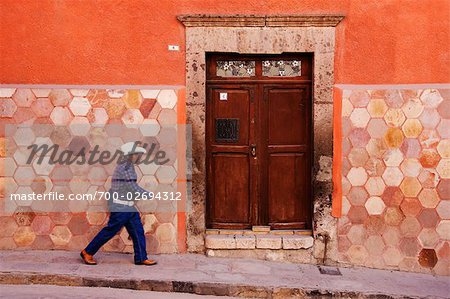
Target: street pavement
[198, 274]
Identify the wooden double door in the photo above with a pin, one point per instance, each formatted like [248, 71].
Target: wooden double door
[259, 141]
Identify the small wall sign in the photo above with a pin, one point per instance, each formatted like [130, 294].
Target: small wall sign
[223, 96]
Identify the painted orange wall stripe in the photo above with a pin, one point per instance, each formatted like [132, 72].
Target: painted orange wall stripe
[337, 153]
[181, 179]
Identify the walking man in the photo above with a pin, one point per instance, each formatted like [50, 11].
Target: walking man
[123, 211]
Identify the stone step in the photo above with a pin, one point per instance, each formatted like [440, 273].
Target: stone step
[258, 241]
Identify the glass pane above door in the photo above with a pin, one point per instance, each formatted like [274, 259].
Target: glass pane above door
[282, 68]
[235, 68]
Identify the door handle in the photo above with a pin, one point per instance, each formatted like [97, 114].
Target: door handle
[253, 150]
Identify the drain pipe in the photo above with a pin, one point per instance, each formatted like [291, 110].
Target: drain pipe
[324, 237]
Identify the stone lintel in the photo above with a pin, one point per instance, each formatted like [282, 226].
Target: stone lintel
[205, 20]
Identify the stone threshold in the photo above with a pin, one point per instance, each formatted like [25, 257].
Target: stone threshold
[252, 240]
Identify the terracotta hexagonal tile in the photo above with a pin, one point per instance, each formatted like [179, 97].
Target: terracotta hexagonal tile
[7, 186]
[347, 107]
[357, 214]
[24, 97]
[443, 229]
[79, 126]
[147, 106]
[429, 178]
[41, 92]
[375, 186]
[444, 109]
[375, 245]
[428, 218]
[98, 98]
[357, 234]
[7, 108]
[97, 176]
[357, 176]
[79, 145]
[410, 206]
[60, 235]
[150, 127]
[166, 233]
[429, 139]
[393, 137]
[116, 93]
[428, 237]
[24, 175]
[392, 176]
[61, 175]
[132, 99]
[154, 114]
[410, 246]
[443, 209]
[393, 216]
[42, 107]
[150, 93]
[61, 116]
[443, 250]
[412, 128]
[41, 185]
[413, 108]
[132, 118]
[96, 218]
[42, 225]
[24, 136]
[443, 188]
[427, 258]
[80, 106]
[43, 167]
[60, 218]
[359, 117]
[411, 148]
[375, 225]
[393, 98]
[377, 108]
[442, 267]
[78, 225]
[429, 118]
[392, 196]
[167, 117]
[346, 126]
[392, 256]
[391, 236]
[79, 185]
[8, 225]
[79, 92]
[359, 98]
[443, 168]
[24, 236]
[7, 167]
[411, 167]
[346, 205]
[443, 148]
[429, 158]
[410, 186]
[166, 174]
[98, 117]
[410, 227]
[115, 108]
[394, 117]
[377, 128]
[167, 99]
[393, 157]
[24, 116]
[444, 128]
[429, 198]
[60, 97]
[7, 92]
[431, 98]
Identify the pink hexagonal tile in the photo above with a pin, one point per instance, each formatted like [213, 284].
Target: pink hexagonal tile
[147, 106]
[78, 225]
[79, 145]
[167, 117]
[444, 109]
[412, 128]
[443, 229]
[359, 117]
[392, 256]
[376, 148]
[79, 185]
[115, 108]
[24, 175]
[394, 117]
[377, 108]
[375, 245]
[7, 108]
[24, 116]
[60, 97]
[24, 236]
[42, 107]
[375, 186]
[347, 107]
[429, 158]
[429, 118]
[410, 246]
[411, 148]
[411, 167]
[391, 236]
[96, 218]
[166, 174]
[410, 227]
[132, 118]
[393, 98]
[443, 188]
[410, 186]
[24, 136]
[150, 93]
[150, 127]
[443, 148]
[428, 237]
[98, 98]
[24, 97]
[80, 106]
[7, 92]
[357, 234]
[413, 108]
[79, 126]
[429, 139]
[41, 185]
[375, 205]
[375, 167]
[61, 116]
[444, 128]
[393, 157]
[392, 196]
[79, 92]
[155, 111]
[428, 218]
[429, 178]
[443, 168]
[60, 235]
[443, 209]
[61, 175]
[357, 196]
[392, 176]
[116, 93]
[41, 92]
[429, 198]
[377, 128]
[42, 225]
[359, 98]
[410, 207]
[393, 216]
[97, 176]
[357, 176]
[358, 137]
[431, 98]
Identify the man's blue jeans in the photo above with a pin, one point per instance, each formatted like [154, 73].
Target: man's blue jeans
[117, 220]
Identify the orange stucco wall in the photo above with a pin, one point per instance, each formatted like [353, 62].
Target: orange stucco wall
[125, 42]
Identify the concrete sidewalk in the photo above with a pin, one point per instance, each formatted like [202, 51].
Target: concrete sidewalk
[203, 275]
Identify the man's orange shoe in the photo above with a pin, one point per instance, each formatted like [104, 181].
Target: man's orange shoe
[87, 258]
[147, 263]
